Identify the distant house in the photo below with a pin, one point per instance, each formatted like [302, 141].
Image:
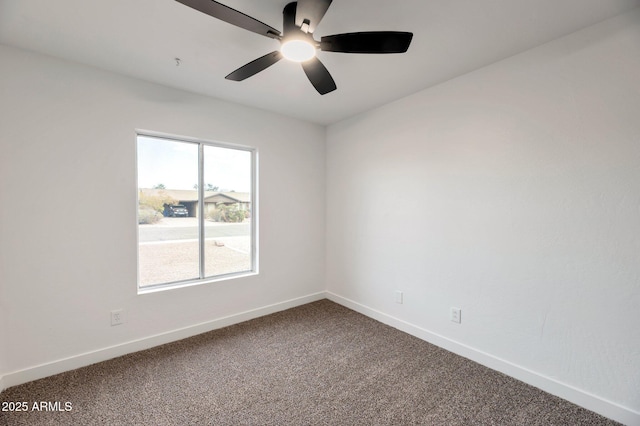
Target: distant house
[241, 199]
[189, 198]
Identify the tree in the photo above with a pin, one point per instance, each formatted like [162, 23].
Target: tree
[160, 186]
[209, 187]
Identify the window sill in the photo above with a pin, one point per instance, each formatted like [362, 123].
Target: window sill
[183, 284]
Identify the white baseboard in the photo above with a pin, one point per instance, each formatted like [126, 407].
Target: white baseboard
[584, 399]
[579, 397]
[88, 358]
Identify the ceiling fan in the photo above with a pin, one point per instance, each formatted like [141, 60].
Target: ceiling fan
[297, 43]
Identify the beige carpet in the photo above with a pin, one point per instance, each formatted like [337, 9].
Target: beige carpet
[318, 364]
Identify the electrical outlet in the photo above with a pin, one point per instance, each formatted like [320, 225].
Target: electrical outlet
[456, 315]
[117, 317]
[399, 297]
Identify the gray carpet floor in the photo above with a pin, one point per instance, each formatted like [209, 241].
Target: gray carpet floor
[318, 364]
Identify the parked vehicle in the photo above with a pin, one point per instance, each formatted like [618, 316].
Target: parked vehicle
[175, 211]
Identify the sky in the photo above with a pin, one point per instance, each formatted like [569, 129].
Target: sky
[175, 165]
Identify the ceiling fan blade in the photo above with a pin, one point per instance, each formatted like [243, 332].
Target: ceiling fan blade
[311, 10]
[232, 16]
[319, 76]
[254, 67]
[289, 19]
[367, 42]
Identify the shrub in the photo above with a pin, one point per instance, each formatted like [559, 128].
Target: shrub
[216, 215]
[225, 213]
[235, 215]
[148, 215]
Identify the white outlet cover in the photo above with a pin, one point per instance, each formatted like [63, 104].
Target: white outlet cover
[399, 297]
[117, 317]
[456, 315]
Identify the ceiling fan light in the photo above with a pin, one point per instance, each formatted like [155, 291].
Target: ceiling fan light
[298, 50]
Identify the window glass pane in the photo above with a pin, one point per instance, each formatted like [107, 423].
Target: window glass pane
[227, 206]
[168, 249]
[188, 233]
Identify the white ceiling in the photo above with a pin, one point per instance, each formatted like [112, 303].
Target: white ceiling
[141, 38]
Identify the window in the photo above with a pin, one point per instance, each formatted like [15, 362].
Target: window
[196, 211]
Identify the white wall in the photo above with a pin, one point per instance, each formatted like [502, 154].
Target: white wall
[3, 326]
[68, 213]
[512, 192]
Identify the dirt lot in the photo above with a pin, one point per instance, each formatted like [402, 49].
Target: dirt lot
[178, 260]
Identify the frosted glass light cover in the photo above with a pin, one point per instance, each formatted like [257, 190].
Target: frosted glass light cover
[298, 50]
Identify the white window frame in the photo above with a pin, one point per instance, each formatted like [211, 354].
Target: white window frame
[152, 288]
